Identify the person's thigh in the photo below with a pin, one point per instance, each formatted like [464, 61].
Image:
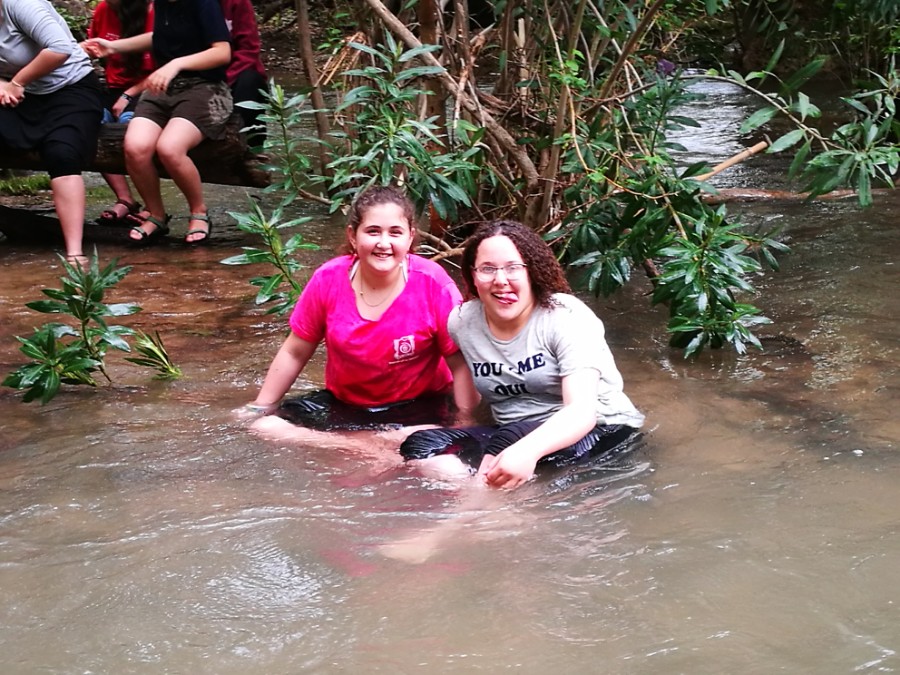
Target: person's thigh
[468, 444]
[179, 136]
[508, 434]
[156, 108]
[599, 440]
[322, 410]
[206, 105]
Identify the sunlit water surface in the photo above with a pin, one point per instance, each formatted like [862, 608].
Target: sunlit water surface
[753, 529]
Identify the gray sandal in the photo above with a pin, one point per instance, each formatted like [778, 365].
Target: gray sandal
[205, 231]
[146, 238]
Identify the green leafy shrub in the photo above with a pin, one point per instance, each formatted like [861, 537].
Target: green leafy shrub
[61, 353]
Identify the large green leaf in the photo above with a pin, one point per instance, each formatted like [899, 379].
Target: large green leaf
[757, 119]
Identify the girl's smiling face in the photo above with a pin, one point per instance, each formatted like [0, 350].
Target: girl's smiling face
[503, 287]
[383, 238]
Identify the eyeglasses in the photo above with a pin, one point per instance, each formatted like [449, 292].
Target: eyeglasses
[512, 272]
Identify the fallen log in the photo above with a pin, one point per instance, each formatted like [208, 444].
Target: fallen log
[40, 226]
[225, 162]
[728, 195]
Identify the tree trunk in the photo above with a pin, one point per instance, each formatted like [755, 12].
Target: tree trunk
[42, 227]
[430, 34]
[312, 78]
[501, 137]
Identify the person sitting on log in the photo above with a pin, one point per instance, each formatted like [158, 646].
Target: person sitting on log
[186, 101]
[382, 312]
[50, 100]
[246, 74]
[125, 77]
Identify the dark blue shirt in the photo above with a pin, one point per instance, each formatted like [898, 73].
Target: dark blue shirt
[185, 27]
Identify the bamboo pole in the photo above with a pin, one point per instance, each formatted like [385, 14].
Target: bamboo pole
[731, 161]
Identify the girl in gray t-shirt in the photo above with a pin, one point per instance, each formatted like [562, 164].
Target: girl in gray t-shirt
[538, 356]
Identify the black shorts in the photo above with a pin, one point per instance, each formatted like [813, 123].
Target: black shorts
[67, 117]
[471, 444]
[323, 411]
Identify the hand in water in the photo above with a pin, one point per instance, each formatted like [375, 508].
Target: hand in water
[251, 411]
[508, 470]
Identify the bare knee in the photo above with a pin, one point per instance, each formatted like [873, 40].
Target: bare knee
[138, 150]
[170, 154]
[140, 141]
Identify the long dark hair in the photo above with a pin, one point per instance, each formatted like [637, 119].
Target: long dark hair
[132, 16]
[544, 271]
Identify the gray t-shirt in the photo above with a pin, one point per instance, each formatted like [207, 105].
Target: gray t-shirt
[27, 27]
[521, 378]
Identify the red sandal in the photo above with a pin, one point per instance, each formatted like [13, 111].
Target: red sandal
[109, 216]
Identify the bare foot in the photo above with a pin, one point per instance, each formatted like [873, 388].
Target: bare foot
[377, 443]
[416, 549]
[276, 428]
[448, 468]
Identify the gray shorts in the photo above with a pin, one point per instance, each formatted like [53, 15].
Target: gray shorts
[207, 105]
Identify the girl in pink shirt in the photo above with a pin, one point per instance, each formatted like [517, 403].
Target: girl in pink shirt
[382, 313]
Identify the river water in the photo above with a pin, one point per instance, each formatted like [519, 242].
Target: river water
[754, 528]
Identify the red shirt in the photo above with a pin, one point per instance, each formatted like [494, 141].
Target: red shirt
[105, 24]
[245, 45]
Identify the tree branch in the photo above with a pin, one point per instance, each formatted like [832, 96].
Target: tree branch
[503, 137]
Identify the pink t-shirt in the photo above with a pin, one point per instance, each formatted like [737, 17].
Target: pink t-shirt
[398, 357]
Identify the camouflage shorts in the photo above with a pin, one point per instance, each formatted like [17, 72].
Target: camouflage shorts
[207, 105]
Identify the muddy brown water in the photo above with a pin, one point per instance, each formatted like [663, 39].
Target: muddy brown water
[753, 530]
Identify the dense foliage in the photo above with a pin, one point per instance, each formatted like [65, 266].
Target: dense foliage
[72, 353]
[560, 114]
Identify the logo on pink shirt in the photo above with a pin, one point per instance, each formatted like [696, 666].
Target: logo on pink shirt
[405, 347]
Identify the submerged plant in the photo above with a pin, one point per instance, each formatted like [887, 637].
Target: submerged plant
[65, 354]
[153, 354]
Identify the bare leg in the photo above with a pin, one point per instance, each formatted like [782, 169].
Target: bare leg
[119, 185]
[177, 139]
[140, 149]
[68, 198]
[478, 508]
[366, 442]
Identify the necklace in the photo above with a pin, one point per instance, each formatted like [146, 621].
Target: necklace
[362, 294]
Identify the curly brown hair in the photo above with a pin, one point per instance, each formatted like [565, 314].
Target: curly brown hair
[376, 196]
[544, 271]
